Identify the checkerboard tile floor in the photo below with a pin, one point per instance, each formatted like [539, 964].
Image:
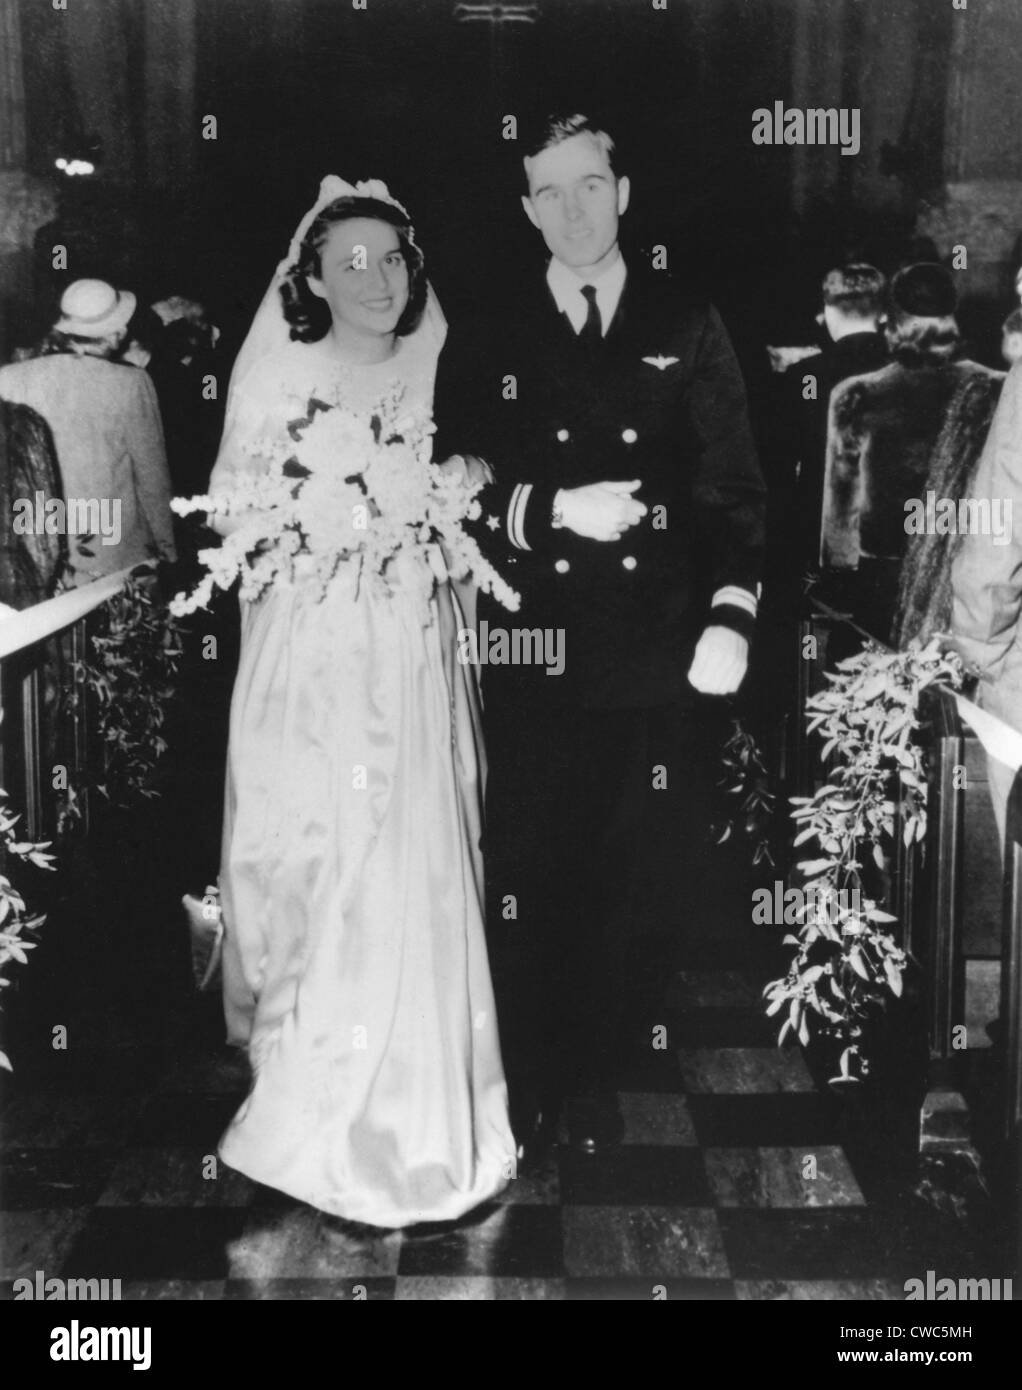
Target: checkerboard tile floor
[711, 1195]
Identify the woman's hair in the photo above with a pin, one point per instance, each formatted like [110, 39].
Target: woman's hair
[915, 341]
[56, 341]
[308, 315]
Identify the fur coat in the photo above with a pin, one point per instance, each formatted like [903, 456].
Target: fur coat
[924, 597]
[30, 563]
[882, 432]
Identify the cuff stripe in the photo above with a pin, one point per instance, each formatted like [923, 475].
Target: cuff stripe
[516, 516]
[737, 597]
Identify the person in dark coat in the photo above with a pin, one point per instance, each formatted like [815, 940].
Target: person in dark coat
[853, 303]
[627, 508]
[30, 561]
[882, 432]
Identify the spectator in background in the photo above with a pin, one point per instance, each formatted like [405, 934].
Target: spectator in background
[174, 342]
[30, 562]
[1011, 338]
[106, 427]
[881, 436]
[185, 370]
[141, 338]
[987, 583]
[853, 302]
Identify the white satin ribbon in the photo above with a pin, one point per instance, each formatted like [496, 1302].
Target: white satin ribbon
[999, 740]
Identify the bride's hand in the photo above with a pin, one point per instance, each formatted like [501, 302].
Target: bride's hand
[227, 525]
[468, 468]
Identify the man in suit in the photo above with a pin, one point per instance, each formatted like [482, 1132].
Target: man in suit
[853, 297]
[627, 508]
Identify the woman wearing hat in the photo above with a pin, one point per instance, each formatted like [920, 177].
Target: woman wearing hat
[882, 431]
[106, 428]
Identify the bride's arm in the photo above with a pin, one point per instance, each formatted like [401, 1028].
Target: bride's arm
[227, 525]
[231, 462]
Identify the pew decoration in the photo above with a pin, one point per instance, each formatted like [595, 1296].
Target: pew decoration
[17, 921]
[750, 802]
[847, 963]
[125, 684]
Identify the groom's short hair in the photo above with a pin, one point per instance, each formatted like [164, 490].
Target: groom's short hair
[557, 128]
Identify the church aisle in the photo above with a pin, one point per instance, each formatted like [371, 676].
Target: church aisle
[709, 1197]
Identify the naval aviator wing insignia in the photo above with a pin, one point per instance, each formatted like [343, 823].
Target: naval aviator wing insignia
[661, 362]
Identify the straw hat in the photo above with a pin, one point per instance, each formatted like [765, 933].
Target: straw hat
[94, 309]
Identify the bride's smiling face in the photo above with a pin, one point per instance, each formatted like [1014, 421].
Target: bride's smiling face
[363, 276]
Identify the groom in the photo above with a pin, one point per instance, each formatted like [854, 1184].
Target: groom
[627, 508]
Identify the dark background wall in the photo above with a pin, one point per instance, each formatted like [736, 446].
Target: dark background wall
[406, 91]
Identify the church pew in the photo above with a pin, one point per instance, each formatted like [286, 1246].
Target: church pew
[1011, 1014]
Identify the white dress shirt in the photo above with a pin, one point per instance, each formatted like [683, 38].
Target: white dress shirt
[566, 288]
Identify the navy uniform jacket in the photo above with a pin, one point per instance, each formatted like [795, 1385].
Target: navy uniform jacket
[661, 399]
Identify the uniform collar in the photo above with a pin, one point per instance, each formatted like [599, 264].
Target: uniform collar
[566, 288]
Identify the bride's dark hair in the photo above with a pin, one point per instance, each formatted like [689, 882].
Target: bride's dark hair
[309, 315]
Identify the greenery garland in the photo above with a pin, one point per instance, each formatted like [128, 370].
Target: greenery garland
[15, 918]
[747, 787]
[130, 672]
[847, 963]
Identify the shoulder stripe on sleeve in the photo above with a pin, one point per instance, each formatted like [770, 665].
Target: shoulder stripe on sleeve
[516, 516]
[737, 597]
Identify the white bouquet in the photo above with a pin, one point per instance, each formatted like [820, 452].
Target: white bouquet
[342, 487]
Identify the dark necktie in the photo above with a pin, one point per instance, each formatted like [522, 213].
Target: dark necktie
[591, 335]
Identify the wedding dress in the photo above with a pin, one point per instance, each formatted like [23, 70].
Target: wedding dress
[355, 966]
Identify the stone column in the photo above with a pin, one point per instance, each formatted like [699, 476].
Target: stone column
[171, 119]
[980, 203]
[26, 202]
[816, 80]
[12, 88]
[888, 61]
[97, 47]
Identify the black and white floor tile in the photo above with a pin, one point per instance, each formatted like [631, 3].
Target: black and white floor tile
[710, 1196]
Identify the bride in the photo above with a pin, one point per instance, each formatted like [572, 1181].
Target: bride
[355, 969]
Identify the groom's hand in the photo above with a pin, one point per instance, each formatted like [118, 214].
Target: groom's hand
[718, 666]
[601, 511]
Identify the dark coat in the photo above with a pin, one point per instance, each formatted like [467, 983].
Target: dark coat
[881, 437]
[29, 563]
[854, 355]
[662, 400]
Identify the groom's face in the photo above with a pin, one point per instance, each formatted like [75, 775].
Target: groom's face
[575, 200]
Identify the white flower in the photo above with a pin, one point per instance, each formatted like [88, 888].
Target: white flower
[338, 487]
